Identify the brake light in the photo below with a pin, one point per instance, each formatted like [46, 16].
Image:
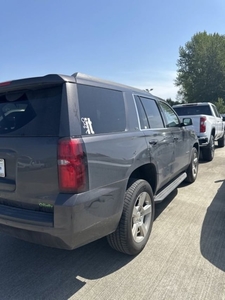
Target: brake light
[202, 124]
[71, 166]
[5, 83]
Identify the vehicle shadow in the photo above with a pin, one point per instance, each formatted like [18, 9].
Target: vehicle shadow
[30, 271]
[159, 207]
[212, 242]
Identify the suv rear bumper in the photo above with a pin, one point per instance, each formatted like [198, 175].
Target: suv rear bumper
[76, 220]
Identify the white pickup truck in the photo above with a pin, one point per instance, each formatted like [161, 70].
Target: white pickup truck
[207, 124]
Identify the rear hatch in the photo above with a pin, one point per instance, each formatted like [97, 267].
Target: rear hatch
[29, 132]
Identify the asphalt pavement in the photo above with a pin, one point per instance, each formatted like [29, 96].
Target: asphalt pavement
[184, 258]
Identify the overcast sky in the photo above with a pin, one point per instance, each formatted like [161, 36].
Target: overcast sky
[133, 42]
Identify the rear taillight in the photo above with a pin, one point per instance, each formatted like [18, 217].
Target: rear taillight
[5, 83]
[202, 124]
[71, 166]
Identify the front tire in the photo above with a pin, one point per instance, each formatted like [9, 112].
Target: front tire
[192, 170]
[136, 221]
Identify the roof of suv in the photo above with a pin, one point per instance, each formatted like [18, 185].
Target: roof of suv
[25, 83]
[90, 80]
[57, 79]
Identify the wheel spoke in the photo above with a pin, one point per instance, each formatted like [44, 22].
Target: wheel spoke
[135, 231]
[135, 212]
[147, 210]
[195, 163]
[141, 199]
[143, 229]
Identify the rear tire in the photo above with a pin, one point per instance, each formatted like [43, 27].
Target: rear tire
[136, 221]
[221, 142]
[192, 170]
[208, 152]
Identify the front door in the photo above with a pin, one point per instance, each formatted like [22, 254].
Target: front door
[181, 148]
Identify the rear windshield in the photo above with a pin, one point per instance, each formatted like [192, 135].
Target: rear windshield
[193, 110]
[31, 112]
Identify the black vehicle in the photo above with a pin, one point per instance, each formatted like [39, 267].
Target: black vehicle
[83, 158]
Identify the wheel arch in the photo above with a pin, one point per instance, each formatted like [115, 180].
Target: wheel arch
[196, 145]
[146, 172]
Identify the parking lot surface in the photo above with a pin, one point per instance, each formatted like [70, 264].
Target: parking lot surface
[184, 258]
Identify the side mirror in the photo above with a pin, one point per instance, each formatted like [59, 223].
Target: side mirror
[187, 122]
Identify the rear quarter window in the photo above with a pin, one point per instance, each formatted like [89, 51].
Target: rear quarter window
[101, 110]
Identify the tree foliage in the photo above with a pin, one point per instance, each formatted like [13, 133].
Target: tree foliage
[201, 68]
[220, 105]
[171, 102]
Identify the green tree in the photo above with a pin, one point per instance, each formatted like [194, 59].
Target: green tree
[220, 105]
[171, 102]
[201, 68]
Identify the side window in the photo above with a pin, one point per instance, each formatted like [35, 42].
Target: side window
[170, 117]
[101, 110]
[142, 115]
[153, 113]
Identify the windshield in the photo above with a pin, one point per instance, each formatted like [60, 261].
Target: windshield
[193, 110]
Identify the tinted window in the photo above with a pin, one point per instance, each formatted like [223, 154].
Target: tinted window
[153, 113]
[170, 117]
[31, 112]
[142, 115]
[101, 110]
[193, 110]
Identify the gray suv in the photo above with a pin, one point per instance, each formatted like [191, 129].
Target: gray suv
[83, 158]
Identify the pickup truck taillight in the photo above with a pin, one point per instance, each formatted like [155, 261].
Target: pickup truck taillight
[202, 124]
[72, 169]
